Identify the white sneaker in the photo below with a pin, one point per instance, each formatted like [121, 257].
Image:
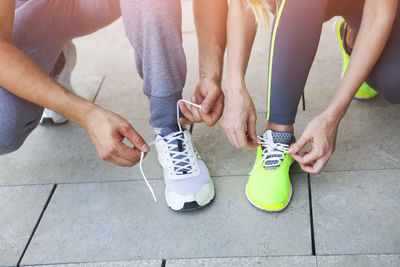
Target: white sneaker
[63, 78]
[187, 180]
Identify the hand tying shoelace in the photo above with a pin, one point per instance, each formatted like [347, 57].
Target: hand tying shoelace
[172, 136]
[272, 154]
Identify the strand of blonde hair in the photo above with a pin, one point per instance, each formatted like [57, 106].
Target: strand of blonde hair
[260, 9]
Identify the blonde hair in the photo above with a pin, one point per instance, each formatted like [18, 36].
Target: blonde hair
[260, 9]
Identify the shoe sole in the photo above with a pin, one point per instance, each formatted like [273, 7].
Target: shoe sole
[191, 204]
[50, 121]
[364, 98]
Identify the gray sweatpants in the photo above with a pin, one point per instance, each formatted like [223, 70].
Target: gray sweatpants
[42, 28]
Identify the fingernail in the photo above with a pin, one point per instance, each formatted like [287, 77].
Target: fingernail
[290, 150]
[145, 148]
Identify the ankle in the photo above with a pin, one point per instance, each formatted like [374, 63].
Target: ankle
[280, 127]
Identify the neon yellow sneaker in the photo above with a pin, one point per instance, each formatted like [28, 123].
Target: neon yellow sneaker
[269, 187]
[365, 92]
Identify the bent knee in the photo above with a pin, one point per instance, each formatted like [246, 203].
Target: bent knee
[13, 134]
[10, 146]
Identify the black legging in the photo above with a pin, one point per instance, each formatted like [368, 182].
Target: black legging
[295, 36]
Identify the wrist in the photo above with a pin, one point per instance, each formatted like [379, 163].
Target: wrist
[84, 112]
[235, 85]
[214, 75]
[333, 115]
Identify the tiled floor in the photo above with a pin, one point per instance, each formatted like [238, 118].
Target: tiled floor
[61, 205]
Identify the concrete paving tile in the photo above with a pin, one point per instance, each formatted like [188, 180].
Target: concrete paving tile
[20, 208]
[305, 261]
[359, 261]
[134, 263]
[356, 212]
[114, 221]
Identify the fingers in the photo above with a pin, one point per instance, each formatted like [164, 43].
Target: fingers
[251, 132]
[185, 121]
[121, 161]
[299, 145]
[241, 138]
[315, 160]
[113, 155]
[128, 153]
[209, 101]
[216, 112]
[186, 112]
[129, 133]
[316, 167]
[238, 137]
[195, 110]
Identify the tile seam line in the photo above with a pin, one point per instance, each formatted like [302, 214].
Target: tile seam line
[37, 223]
[359, 254]
[99, 88]
[246, 257]
[86, 262]
[166, 259]
[123, 180]
[312, 230]
[228, 257]
[214, 176]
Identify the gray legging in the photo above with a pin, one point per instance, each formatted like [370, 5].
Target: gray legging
[42, 28]
[293, 48]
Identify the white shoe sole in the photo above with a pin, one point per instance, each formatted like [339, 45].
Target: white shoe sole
[198, 200]
[258, 207]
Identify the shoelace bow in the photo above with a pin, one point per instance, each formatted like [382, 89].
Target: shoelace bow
[170, 138]
[272, 152]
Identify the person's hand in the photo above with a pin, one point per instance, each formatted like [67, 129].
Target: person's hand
[107, 131]
[239, 119]
[321, 132]
[209, 95]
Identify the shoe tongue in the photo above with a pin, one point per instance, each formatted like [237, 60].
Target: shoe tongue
[167, 130]
[278, 137]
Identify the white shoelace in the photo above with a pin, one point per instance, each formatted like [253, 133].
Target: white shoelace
[272, 152]
[169, 138]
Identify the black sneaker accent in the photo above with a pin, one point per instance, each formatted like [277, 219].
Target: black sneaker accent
[47, 121]
[188, 206]
[344, 30]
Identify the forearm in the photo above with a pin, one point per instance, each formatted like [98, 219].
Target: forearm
[378, 18]
[210, 19]
[22, 77]
[242, 28]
